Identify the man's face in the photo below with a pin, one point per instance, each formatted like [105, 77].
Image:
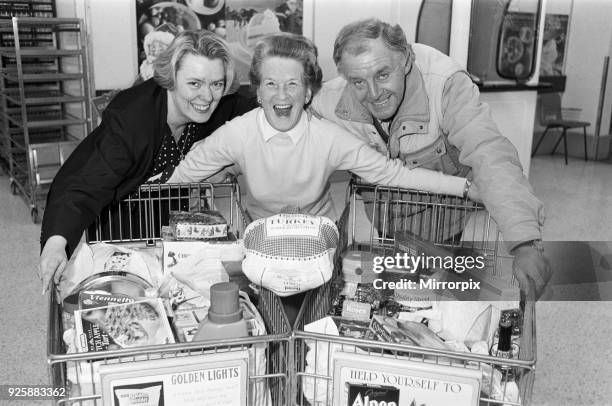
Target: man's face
[376, 77]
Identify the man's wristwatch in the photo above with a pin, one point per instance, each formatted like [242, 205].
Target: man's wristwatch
[537, 244]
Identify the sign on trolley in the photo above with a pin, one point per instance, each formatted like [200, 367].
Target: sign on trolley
[203, 380]
[363, 380]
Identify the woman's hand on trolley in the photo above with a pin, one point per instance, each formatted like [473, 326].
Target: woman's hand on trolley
[53, 260]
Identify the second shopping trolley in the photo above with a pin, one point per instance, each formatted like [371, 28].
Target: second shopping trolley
[325, 365]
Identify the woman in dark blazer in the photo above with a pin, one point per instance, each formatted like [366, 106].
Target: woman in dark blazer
[145, 132]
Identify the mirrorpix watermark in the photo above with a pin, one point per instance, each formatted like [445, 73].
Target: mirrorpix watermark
[404, 262]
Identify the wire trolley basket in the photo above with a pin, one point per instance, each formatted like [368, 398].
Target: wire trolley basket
[137, 221]
[372, 218]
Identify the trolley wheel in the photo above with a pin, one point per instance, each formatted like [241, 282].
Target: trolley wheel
[13, 188]
[34, 215]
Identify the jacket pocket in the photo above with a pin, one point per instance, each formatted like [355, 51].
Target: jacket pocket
[424, 156]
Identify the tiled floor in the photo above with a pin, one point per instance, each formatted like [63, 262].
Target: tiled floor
[23, 339]
[574, 352]
[577, 197]
[573, 365]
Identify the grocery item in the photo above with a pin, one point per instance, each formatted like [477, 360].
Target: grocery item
[407, 332]
[354, 328]
[357, 267]
[97, 298]
[411, 244]
[185, 324]
[224, 318]
[357, 285]
[505, 344]
[289, 253]
[92, 262]
[198, 226]
[106, 288]
[176, 252]
[407, 289]
[124, 325]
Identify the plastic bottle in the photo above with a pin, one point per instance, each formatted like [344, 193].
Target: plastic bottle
[224, 319]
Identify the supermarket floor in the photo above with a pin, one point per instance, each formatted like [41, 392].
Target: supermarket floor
[573, 338]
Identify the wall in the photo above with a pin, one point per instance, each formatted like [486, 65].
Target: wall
[514, 114]
[590, 34]
[330, 16]
[112, 39]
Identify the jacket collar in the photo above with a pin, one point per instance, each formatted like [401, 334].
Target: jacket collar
[414, 106]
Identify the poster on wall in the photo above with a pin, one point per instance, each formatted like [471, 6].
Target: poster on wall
[517, 41]
[241, 22]
[250, 20]
[553, 47]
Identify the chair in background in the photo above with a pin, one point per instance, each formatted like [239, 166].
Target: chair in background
[551, 116]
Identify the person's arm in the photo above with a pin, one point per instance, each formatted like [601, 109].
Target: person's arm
[497, 170]
[498, 174]
[208, 157]
[84, 185]
[350, 153]
[53, 261]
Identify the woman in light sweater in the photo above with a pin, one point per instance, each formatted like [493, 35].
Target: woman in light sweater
[285, 153]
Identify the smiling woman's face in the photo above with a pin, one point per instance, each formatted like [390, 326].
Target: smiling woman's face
[199, 85]
[282, 92]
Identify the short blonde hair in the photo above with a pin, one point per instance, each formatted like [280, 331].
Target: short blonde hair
[201, 42]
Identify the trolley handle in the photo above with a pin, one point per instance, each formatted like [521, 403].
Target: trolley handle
[527, 305]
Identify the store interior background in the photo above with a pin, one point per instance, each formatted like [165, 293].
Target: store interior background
[573, 337]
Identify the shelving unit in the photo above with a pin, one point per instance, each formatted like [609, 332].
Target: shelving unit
[27, 8]
[44, 108]
[37, 36]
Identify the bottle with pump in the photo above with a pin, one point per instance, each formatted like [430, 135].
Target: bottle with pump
[224, 319]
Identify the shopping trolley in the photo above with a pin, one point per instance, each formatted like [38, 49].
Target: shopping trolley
[138, 221]
[446, 221]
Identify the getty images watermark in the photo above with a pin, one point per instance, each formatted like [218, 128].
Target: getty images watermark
[411, 263]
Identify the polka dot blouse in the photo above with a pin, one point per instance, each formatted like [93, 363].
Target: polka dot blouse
[171, 153]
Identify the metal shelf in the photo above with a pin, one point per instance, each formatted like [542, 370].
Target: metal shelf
[43, 138]
[42, 77]
[39, 68]
[41, 22]
[39, 52]
[43, 100]
[56, 120]
[36, 97]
